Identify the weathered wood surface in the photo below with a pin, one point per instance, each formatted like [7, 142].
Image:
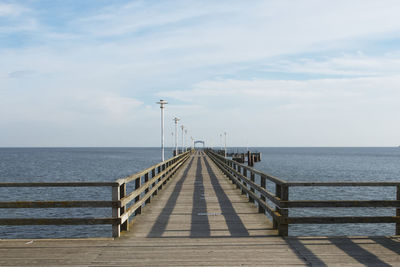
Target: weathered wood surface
[201, 219]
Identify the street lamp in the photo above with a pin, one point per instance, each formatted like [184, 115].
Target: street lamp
[225, 143]
[176, 119]
[172, 141]
[162, 103]
[183, 137]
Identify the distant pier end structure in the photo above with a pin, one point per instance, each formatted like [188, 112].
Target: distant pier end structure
[199, 142]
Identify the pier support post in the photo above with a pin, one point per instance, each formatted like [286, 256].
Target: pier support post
[116, 228]
[398, 210]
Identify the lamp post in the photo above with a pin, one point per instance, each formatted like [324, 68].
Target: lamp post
[183, 137]
[176, 119]
[225, 143]
[221, 141]
[162, 104]
[172, 141]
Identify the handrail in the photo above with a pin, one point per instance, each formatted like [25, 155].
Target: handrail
[258, 193]
[147, 183]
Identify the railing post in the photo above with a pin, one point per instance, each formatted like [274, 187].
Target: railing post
[282, 191]
[153, 174]
[244, 183]
[116, 228]
[122, 194]
[251, 188]
[137, 186]
[277, 209]
[159, 179]
[263, 185]
[163, 169]
[146, 179]
[239, 171]
[398, 210]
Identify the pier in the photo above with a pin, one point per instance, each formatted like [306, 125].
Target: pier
[202, 209]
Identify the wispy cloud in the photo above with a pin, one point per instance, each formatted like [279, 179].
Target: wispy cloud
[11, 9]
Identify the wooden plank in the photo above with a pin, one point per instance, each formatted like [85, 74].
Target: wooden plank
[339, 203]
[340, 184]
[58, 221]
[60, 184]
[336, 220]
[58, 204]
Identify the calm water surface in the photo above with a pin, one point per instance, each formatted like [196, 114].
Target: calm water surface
[109, 164]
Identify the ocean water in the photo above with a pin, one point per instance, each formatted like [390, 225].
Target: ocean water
[333, 165]
[109, 164]
[63, 165]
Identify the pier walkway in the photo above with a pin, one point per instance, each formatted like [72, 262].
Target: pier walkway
[201, 219]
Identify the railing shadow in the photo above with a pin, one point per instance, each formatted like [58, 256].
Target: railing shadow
[235, 225]
[358, 253]
[388, 243]
[200, 226]
[348, 246]
[160, 225]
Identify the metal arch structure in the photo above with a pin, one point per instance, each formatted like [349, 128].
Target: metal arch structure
[199, 142]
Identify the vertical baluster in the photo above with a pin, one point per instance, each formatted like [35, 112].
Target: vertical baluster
[163, 169]
[159, 179]
[238, 177]
[116, 228]
[122, 194]
[153, 174]
[244, 183]
[146, 179]
[277, 209]
[137, 186]
[263, 185]
[251, 188]
[398, 210]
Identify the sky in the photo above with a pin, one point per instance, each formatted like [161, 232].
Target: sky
[268, 73]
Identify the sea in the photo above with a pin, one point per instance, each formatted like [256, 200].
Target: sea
[319, 164]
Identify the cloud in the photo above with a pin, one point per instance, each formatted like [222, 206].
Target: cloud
[8, 9]
[20, 73]
[346, 65]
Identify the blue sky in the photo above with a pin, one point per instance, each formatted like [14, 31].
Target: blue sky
[269, 73]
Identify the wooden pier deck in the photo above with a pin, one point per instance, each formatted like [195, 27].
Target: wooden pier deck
[201, 219]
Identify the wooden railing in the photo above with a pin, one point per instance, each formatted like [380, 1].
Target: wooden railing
[147, 183]
[257, 192]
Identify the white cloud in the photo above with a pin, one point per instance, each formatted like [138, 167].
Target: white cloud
[346, 65]
[8, 9]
